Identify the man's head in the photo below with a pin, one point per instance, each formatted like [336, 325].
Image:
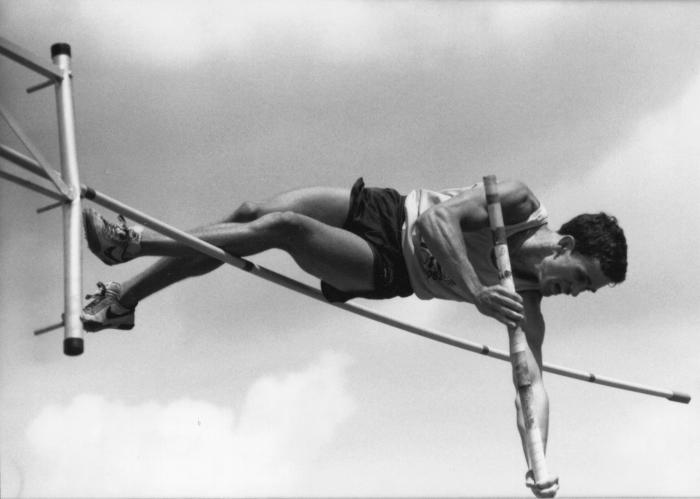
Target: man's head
[591, 253]
[600, 237]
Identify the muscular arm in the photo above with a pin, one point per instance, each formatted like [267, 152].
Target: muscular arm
[533, 326]
[442, 229]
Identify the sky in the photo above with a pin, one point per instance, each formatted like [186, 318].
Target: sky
[229, 386]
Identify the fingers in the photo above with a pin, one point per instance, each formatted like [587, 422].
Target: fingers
[548, 488]
[508, 307]
[507, 321]
[508, 304]
[504, 316]
[549, 492]
[501, 304]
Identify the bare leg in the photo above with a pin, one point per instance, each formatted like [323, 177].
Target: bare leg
[313, 239]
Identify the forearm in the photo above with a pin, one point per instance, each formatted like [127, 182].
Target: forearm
[540, 410]
[539, 478]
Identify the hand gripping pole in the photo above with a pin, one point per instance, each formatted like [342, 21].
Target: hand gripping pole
[517, 339]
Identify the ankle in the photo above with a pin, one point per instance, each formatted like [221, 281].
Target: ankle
[126, 303]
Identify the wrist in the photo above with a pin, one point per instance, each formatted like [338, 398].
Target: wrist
[473, 285]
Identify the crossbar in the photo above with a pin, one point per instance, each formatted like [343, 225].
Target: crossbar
[312, 292]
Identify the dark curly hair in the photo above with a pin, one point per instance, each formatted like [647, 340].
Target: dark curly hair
[599, 236]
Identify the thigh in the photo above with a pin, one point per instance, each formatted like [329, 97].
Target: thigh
[329, 205]
[334, 255]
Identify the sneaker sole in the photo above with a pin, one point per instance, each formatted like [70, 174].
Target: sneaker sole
[93, 327]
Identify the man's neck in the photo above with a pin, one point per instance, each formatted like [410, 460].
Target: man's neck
[527, 260]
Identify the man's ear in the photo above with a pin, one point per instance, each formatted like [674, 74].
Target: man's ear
[566, 243]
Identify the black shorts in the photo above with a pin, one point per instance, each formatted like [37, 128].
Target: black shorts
[377, 216]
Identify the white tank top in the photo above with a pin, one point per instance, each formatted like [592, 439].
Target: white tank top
[427, 277]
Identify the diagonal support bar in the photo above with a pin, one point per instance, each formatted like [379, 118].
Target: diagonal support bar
[31, 185]
[51, 173]
[28, 60]
[23, 161]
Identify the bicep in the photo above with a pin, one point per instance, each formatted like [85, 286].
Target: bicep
[470, 210]
[466, 211]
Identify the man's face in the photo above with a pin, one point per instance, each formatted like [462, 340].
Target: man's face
[570, 273]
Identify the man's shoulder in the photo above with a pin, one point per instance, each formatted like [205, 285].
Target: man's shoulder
[518, 201]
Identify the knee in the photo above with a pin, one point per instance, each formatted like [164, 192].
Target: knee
[246, 212]
[286, 228]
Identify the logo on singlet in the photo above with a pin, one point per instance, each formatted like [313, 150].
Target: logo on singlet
[432, 268]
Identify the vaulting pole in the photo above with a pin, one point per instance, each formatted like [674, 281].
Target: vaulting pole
[517, 340]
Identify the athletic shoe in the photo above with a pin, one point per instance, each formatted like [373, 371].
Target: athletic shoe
[112, 243]
[105, 311]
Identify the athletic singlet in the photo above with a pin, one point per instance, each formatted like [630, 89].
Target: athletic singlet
[427, 277]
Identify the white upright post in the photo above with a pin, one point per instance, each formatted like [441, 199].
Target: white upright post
[72, 223]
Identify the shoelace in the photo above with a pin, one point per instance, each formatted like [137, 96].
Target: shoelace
[116, 231]
[96, 297]
[129, 232]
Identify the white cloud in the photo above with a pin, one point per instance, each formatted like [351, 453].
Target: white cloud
[94, 446]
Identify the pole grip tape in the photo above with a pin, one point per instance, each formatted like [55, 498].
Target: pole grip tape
[499, 236]
[493, 198]
[491, 186]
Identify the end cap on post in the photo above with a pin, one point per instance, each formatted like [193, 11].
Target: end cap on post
[73, 346]
[60, 49]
